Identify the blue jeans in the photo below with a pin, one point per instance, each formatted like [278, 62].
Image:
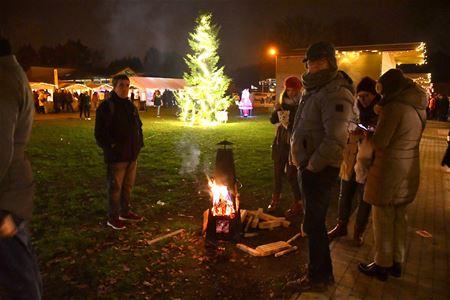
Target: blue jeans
[19, 272]
[316, 189]
[121, 177]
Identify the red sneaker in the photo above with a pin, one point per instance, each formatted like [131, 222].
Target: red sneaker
[130, 217]
[116, 224]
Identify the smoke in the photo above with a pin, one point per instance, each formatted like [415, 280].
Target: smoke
[136, 25]
[190, 155]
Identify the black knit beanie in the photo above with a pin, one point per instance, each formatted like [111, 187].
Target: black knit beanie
[366, 84]
[392, 81]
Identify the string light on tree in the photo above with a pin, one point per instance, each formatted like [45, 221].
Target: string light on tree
[204, 101]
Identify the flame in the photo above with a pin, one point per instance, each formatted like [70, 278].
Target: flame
[222, 202]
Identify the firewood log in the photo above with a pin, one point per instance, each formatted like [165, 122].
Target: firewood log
[243, 215]
[249, 222]
[248, 250]
[256, 218]
[289, 250]
[272, 248]
[269, 224]
[165, 236]
[294, 237]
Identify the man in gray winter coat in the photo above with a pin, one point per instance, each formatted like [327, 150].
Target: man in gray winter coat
[318, 139]
[19, 274]
[393, 178]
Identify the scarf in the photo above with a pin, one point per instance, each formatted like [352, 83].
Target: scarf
[312, 81]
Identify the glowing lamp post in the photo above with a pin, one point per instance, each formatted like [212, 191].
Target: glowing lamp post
[272, 51]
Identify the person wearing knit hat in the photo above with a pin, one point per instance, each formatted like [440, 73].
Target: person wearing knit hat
[283, 116]
[355, 165]
[394, 176]
[293, 83]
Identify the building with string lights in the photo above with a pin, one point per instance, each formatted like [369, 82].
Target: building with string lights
[361, 60]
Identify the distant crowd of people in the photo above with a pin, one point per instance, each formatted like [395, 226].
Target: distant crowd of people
[84, 102]
[66, 101]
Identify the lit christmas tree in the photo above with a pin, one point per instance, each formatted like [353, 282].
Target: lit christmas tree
[204, 101]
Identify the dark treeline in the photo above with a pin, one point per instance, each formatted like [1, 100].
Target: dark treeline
[75, 54]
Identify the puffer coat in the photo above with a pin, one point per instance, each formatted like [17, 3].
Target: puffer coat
[393, 178]
[320, 128]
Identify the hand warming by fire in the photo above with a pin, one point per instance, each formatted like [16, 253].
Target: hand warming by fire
[222, 202]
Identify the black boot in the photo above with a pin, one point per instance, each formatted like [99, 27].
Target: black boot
[296, 210]
[374, 270]
[274, 203]
[396, 270]
[339, 230]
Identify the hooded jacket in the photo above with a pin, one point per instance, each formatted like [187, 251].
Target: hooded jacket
[393, 178]
[320, 128]
[118, 130]
[16, 120]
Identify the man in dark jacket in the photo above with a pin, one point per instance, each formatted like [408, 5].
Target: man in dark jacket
[318, 139]
[19, 274]
[118, 131]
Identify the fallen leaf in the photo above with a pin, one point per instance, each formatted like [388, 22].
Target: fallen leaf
[146, 283]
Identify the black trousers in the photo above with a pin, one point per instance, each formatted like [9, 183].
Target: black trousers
[279, 168]
[349, 190]
[317, 189]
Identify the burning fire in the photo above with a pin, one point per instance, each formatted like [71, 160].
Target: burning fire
[222, 202]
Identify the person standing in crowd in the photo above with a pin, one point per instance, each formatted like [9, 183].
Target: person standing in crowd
[69, 100]
[283, 116]
[95, 100]
[19, 273]
[356, 163]
[87, 106]
[393, 179]
[81, 102]
[157, 101]
[318, 139]
[42, 100]
[118, 131]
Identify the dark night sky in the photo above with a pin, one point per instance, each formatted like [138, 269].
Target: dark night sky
[129, 27]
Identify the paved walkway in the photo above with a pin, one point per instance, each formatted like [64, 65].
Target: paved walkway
[427, 266]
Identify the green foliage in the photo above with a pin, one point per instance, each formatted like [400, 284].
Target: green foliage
[206, 84]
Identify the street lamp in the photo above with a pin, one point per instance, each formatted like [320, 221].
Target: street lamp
[272, 51]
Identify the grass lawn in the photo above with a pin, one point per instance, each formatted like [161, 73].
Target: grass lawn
[81, 258]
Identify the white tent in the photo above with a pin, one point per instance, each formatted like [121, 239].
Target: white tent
[41, 86]
[154, 83]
